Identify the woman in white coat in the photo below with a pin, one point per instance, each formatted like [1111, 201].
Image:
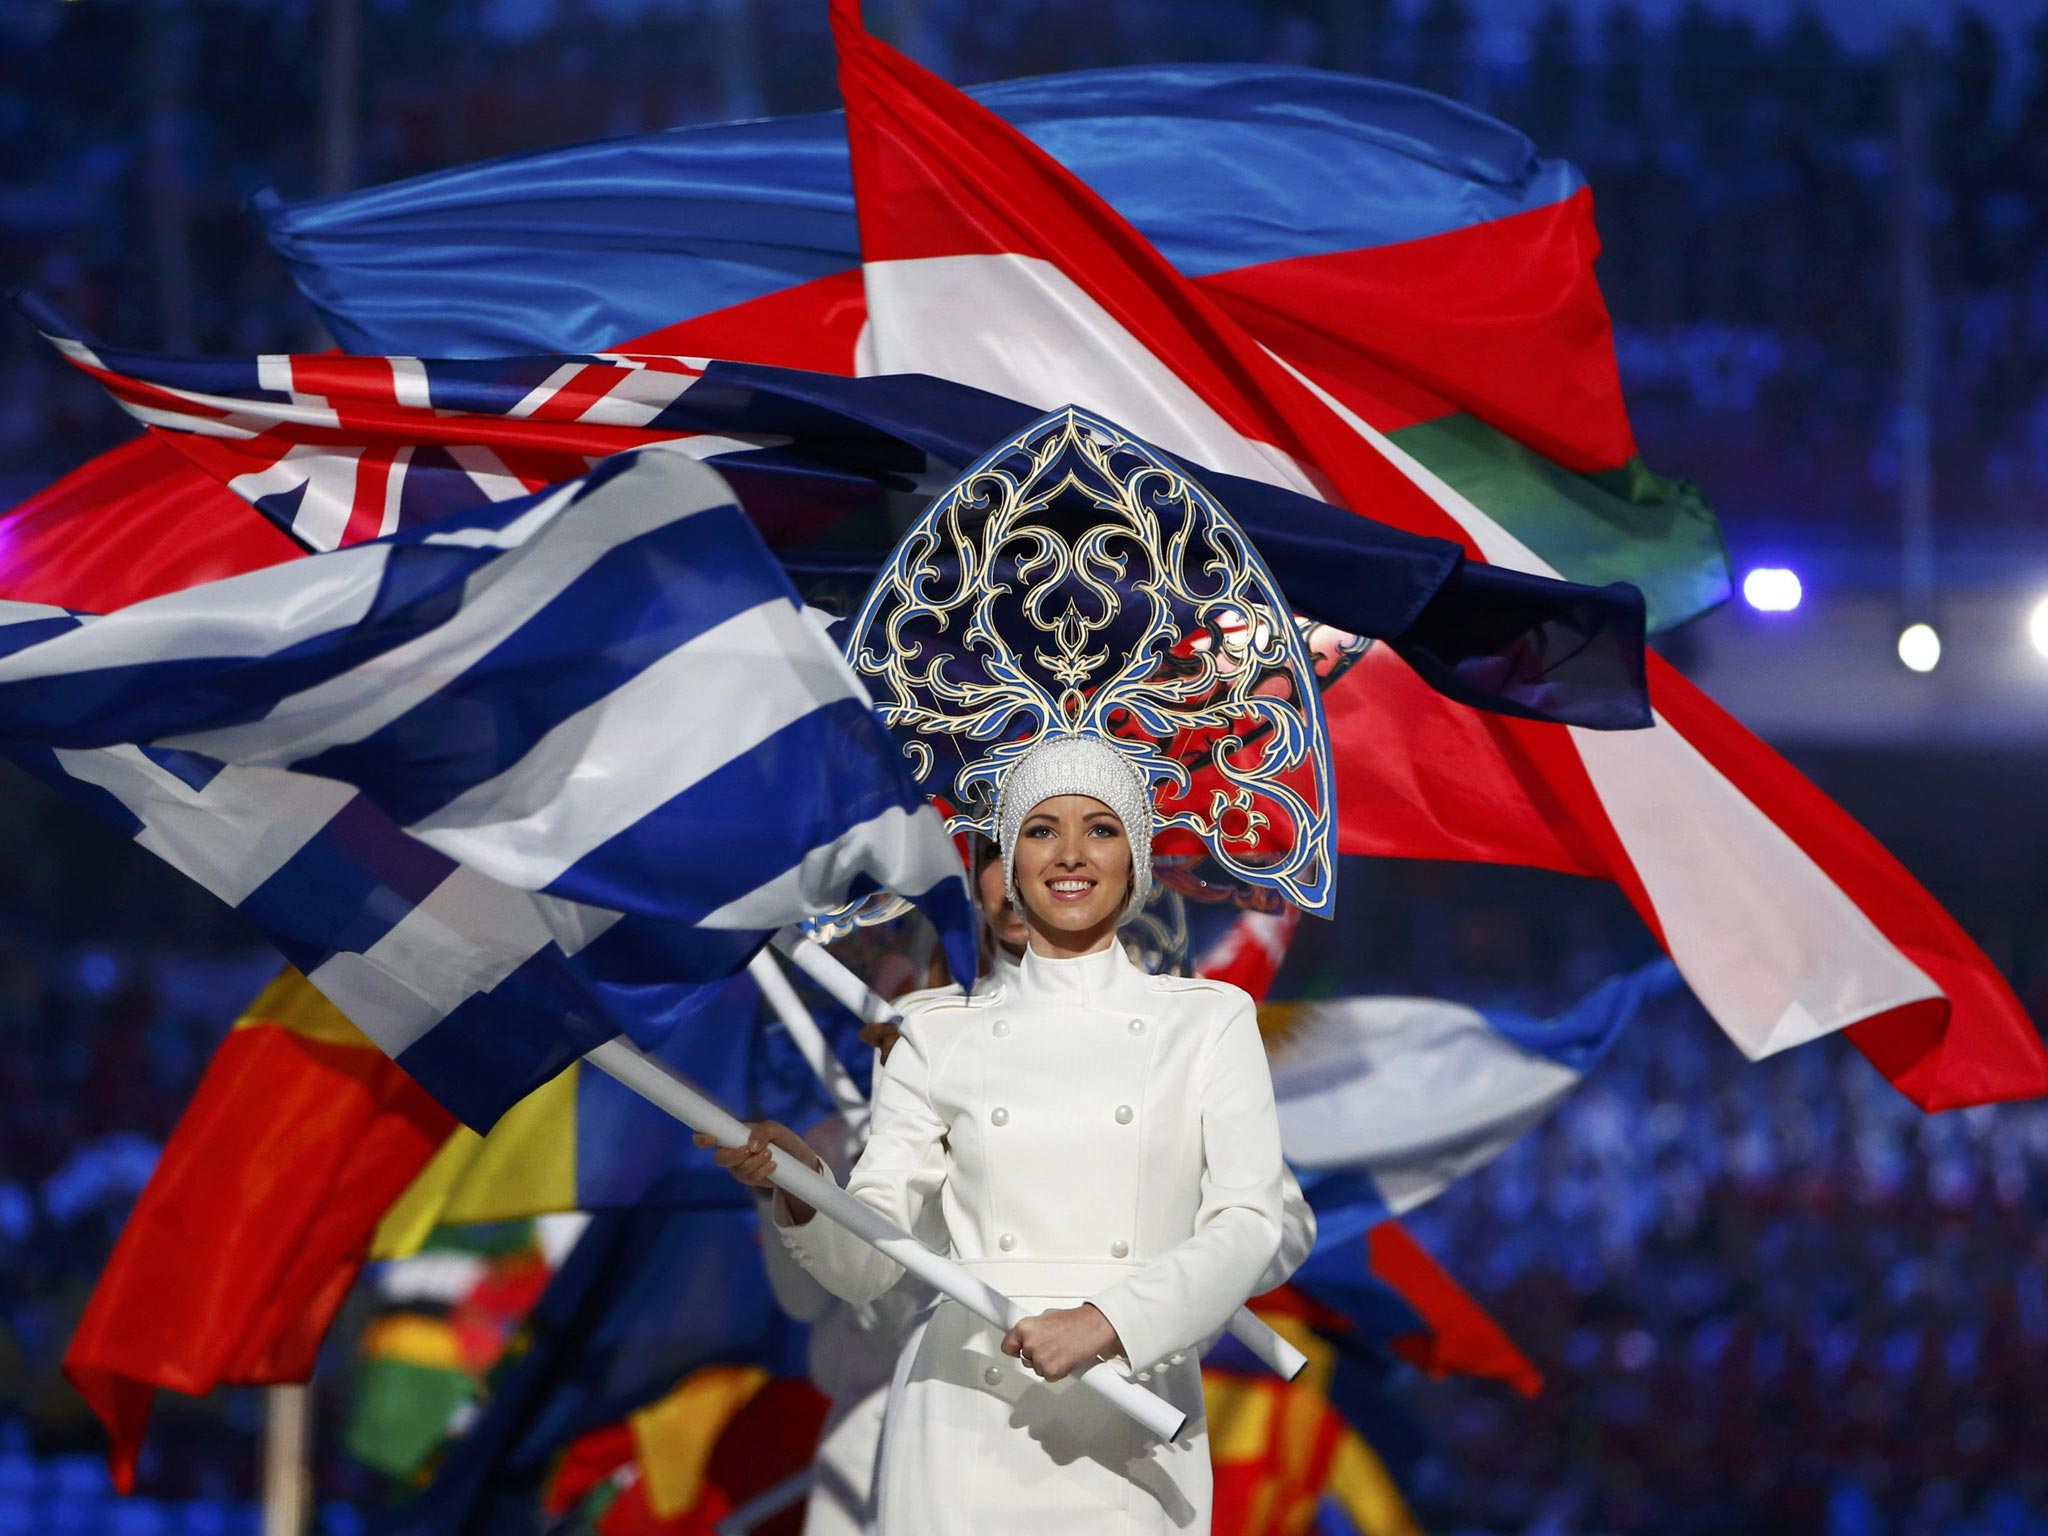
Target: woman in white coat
[1104, 1149]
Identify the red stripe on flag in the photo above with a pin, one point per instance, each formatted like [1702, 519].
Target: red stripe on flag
[1977, 1047]
[1419, 777]
[136, 522]
[1462, 1338]
[339, 373]
[579, 393]
[252, 1227]
[373, 480]
[1503, 319]
[813, 325]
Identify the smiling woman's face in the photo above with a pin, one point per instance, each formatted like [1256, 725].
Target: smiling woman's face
[1072, 866]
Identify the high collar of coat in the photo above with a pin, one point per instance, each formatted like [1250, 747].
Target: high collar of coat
[1083, 980]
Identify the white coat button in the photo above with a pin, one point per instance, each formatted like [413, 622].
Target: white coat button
[1119, 1249]
[1137, 1026]
[993, 1375]
[1123, 1114]
[1007, 1241]
[1000, 1028]
[999, 1116]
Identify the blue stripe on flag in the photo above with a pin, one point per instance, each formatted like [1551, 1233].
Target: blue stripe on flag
[26, 632]
[632, 607]
[346, 888]
[1219, 166]
[800, 770]
[1579, 1037]
[494, 1048]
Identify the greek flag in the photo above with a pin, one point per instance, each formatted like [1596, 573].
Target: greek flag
[504, 785]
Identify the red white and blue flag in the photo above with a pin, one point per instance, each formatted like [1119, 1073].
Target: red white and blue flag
[989, 263]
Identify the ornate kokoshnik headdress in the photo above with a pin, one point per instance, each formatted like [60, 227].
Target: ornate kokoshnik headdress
[1078, 582]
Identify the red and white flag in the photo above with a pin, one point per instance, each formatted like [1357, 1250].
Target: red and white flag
[988, 263]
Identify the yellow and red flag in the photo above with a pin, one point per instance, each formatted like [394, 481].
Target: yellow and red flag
[299, 1138]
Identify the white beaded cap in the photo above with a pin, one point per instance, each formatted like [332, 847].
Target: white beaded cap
[1078, 765]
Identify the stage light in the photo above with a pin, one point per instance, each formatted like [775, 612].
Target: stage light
[1771, 589]
[2037, 626]
[1919, 647]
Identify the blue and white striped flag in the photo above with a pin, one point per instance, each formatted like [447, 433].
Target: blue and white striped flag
[504, 785]
[1386, 1101]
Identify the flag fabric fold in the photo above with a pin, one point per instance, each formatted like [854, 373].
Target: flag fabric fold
[504, 786]
[1386, 1101]
[987, 262]
[1448, 294]
[339, 450]
[315, 1131]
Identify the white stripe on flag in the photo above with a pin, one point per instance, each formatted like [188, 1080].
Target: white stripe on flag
[255, 614]
[240, 425]
[322, 515]
[368, 697]
[680, 719]
[468, 935]
[637, 396]
[1054, 346]
[1415, 1091]
[409, 383]
[911, 847]
[487, 471]
[394, 490]
[545, 391]
[1773, 948]
[13, 612]
[230, 836]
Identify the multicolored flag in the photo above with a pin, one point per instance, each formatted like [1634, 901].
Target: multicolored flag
[644, 1300]
[251, 1231]
[443, 1319]
[1385, 1101]
[462, 777]
[306, 1150]
[1451, 285]
[1786, 919]
[584, 1142]
[340, 450]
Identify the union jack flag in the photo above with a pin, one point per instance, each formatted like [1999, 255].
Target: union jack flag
[339, 449]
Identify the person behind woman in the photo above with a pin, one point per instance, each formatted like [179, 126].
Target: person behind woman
[1104, 1149]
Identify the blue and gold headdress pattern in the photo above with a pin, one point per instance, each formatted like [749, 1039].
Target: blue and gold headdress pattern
[1076, 581]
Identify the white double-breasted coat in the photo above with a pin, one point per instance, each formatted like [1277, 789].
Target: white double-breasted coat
[1091, 1133]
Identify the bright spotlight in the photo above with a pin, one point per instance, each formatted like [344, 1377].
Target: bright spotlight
[1771, 589]
[1919, 647]
[2037, 626]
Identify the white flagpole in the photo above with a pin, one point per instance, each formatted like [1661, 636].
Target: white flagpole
[661, 1085]
[832, 974]
[1271, 1349]
[810, 1040]
[766, 1505]
[287, 1456]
